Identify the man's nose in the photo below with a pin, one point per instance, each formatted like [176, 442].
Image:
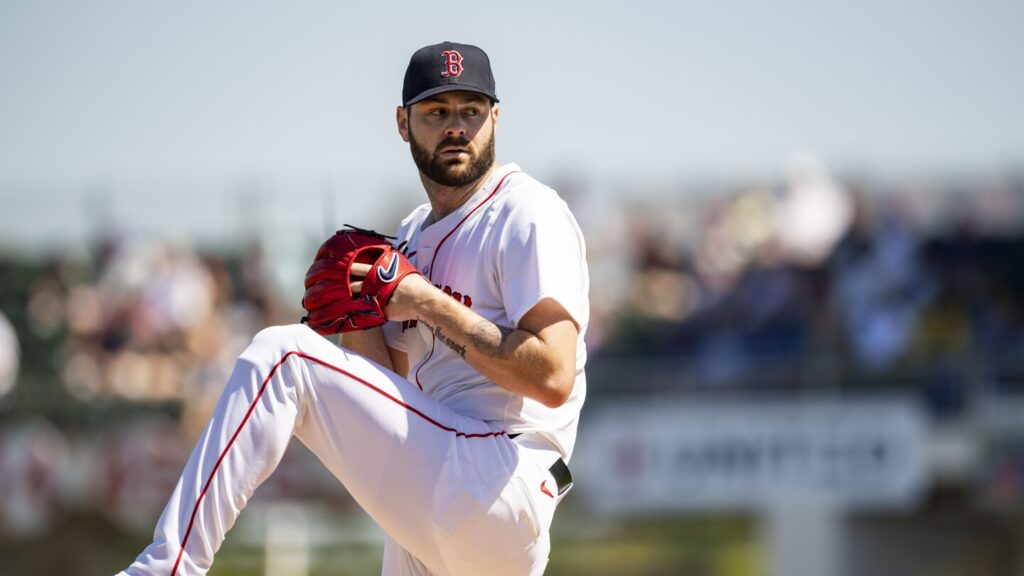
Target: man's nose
[456, 127]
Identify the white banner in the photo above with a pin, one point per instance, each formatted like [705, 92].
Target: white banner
[699, 455]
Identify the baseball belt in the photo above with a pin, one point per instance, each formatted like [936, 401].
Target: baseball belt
[563, 478]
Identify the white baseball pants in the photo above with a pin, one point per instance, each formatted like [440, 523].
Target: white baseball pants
[455, 496]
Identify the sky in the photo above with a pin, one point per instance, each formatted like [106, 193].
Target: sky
[205, 119]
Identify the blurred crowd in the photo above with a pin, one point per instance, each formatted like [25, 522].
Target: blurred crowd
[136, 319]
[815, 283]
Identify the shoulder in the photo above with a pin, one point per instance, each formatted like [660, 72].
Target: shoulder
[413, 220]
[528, 207]
[524, 199]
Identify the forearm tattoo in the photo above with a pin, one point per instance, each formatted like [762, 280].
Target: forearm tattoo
[440, 335]
[490, 339]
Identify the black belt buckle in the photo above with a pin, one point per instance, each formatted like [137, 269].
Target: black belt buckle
[563, 478]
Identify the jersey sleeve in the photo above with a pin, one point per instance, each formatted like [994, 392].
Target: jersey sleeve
[542, 256]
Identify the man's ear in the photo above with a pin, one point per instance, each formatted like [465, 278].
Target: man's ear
[495, 111]
[402, 119]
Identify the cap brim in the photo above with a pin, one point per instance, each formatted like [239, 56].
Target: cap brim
[449, 88]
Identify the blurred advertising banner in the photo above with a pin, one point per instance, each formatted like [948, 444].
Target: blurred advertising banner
[655, 457]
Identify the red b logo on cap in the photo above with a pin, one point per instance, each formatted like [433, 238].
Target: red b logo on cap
[452, 63]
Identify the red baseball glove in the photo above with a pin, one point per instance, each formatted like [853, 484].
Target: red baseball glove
[330, 305]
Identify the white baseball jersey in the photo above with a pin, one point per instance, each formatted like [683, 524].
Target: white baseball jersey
[429, 458]
[511, 245]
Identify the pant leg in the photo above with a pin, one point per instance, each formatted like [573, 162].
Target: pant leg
[399, 562]
[467, 556]
[420, 470]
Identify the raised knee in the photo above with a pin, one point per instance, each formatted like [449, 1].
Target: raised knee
[278, 339]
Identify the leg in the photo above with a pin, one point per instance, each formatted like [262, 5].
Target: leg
[421, 471]
[398, 562]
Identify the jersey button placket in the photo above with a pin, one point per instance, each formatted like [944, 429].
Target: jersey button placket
[425, 255]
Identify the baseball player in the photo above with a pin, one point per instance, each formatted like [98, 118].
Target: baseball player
[449, 413]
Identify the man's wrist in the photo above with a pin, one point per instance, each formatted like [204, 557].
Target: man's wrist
[410, 298]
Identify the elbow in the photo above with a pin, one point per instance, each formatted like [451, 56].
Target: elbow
[557, 389]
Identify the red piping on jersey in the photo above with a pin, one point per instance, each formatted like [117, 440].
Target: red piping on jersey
[430, 272]
[464, 218]
[433, 340]
[256, 400]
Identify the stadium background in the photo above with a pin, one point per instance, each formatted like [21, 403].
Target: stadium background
[806, 236]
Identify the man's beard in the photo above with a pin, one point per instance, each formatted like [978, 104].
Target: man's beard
[448, 172]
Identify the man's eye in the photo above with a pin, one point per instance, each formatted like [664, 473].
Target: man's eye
[472, 112]
[436, 112]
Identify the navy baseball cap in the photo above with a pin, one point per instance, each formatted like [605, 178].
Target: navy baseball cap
[446, 67]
